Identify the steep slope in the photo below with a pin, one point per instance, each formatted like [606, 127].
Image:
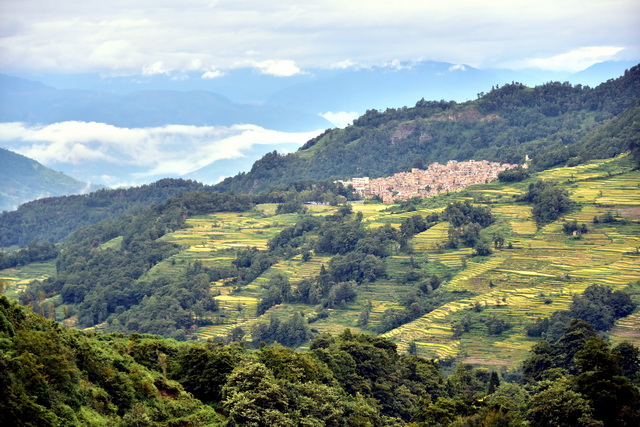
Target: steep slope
[23, 179]
[546, 123]
[54, 376]
[52, 219]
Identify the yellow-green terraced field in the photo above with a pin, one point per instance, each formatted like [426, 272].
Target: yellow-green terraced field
[537, 274]
[427, 240]
[17, 279]
[452, 258]
[540, 275]
[588, 170]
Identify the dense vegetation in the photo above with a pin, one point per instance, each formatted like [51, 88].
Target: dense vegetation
[56, 376]
[101, 271]
[33, 252]
[598, 306]
[432, 265]
[54, 218]
[552, 124]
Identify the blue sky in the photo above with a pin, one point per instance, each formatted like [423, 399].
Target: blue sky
[283, 37]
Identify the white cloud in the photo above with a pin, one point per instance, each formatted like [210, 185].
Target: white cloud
[575, 60]
[397, 65]
[198, 35]
[457, 67]
[144, 154]
[344, 64]
[157, 67]
[341, 118]
[212, 74]
[278, 68]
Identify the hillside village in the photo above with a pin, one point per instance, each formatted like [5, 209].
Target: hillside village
[436, 179]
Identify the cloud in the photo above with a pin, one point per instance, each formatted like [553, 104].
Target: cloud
[457, 67]
[278, 68]
[156, 68]
[575, 60]
[341, 118]
[123, 36]
[140, 154]
[212, 74]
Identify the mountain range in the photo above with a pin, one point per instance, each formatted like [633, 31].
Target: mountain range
[133, 105]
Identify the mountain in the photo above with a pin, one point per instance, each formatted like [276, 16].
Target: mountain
[34, 102]
[53, 219]
[546, 123]
[250, 86]
[382, 87]
[23, 179]
[219, 108]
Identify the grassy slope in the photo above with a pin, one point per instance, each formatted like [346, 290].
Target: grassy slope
[538, 276]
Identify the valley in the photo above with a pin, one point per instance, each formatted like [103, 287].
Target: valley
[536, 273]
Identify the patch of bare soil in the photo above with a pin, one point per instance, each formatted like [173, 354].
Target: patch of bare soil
[625, 332]
[630, 212]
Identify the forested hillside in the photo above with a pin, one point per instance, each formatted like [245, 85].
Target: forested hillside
[552, 124]
[24, 179]
[55, 376]
[53, 218]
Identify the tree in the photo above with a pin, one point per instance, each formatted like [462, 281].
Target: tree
[550, 201]
[253, 397]
[558, 405]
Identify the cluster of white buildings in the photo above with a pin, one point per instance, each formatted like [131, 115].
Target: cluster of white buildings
[435, 179]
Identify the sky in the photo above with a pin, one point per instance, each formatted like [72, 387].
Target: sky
[208, 38]
[286, 37]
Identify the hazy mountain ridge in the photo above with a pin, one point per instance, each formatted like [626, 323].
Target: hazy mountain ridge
[247, 85]
[24, 179]
[33, 102]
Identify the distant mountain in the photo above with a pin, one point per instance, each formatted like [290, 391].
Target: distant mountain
[33, 102]
[382, 87]
[23, 180]
[601, 72]
[430, 80]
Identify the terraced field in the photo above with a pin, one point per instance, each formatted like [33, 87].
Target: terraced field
[17, 279]
[537, 275]
[541, 273]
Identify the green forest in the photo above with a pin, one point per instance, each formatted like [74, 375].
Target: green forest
[279, 298]
[57, 376]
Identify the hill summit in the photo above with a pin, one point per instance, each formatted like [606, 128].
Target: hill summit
[24, 179]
